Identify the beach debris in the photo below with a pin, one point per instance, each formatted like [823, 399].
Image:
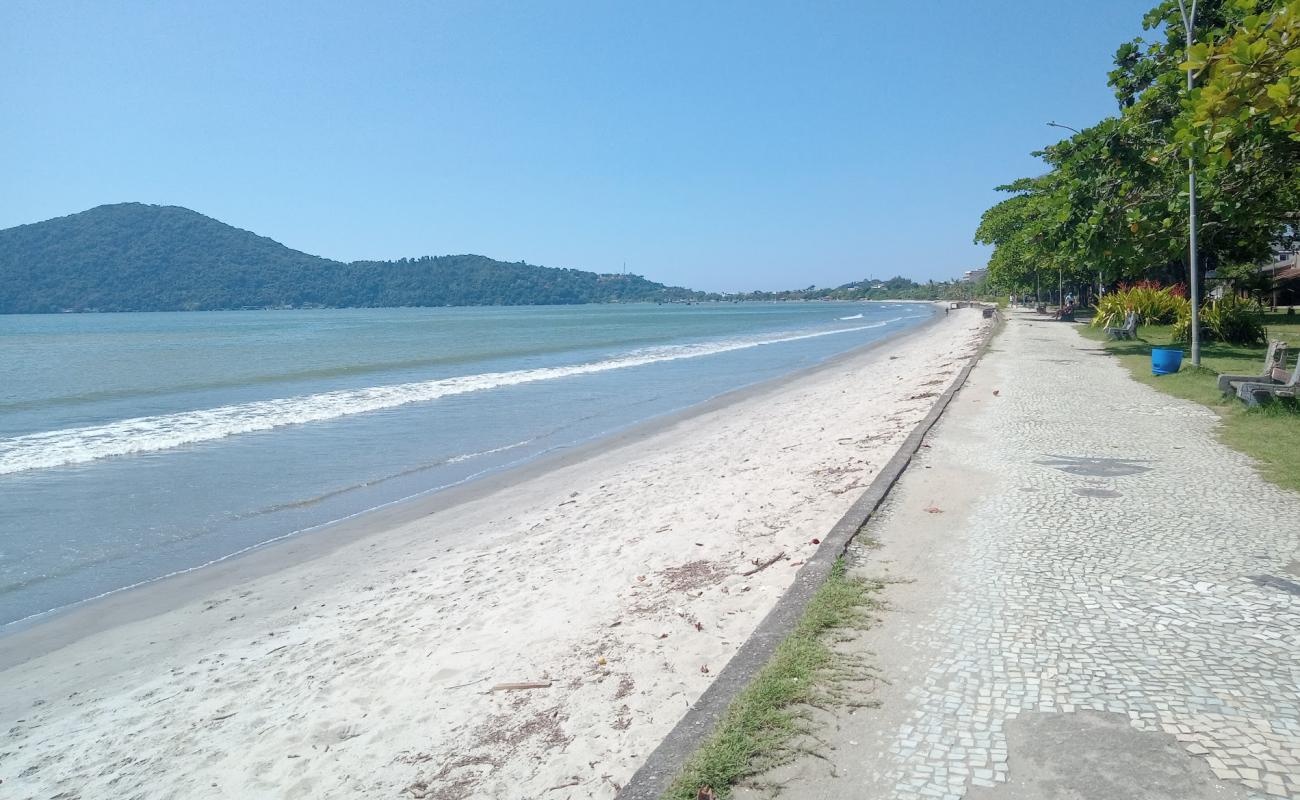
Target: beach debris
[571, 782]
[933, 509]
[640, 577]
[996, 392]
[224, 716]
[760, 567]
[514, 687]
[706, 792]
[664, 528]
[418, 790]
[816, 541]
[704, 669]
[699, 626]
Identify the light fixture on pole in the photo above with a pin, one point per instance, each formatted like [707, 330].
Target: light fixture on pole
[1060, 274]
[1189, 21]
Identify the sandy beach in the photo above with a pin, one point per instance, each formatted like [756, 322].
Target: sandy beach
[617, 584]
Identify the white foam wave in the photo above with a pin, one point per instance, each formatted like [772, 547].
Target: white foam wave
[166, 431]
[855, 316]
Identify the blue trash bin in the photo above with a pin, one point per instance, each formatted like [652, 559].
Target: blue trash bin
[1165, 361]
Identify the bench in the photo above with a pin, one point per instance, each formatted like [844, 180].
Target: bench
[1280, 385]
[1274, 359]
[1128, 330]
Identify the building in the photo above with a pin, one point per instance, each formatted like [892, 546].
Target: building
[974, 275]
[1284, 273]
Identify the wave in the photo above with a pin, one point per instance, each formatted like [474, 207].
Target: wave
[167, 431]
[855, 316]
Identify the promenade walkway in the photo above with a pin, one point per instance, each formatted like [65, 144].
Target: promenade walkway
[1092, 598]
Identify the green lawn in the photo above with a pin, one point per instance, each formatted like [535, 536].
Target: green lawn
[1271, 435]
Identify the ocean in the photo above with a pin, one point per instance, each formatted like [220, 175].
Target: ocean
[134, 446]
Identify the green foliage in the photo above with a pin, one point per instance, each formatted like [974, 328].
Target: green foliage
[1251, 83]
[135, 257]
[1243, 279]
[1232, 320]
[1155, 305]
[1114, 198]
[761, 723]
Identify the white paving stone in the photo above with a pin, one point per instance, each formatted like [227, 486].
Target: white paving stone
[1125, 562]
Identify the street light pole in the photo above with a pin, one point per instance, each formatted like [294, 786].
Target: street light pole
[1189, 20]
[1060, 275]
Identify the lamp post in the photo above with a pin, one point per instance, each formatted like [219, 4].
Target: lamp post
[1189, 20]
[1060, 274]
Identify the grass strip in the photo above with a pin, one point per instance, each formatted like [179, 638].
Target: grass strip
[763, 722]
[1270, 434]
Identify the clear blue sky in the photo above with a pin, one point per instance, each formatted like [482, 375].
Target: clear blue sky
[716, 145]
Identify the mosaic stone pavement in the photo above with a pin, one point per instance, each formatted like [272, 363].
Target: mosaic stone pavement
[1125, 562]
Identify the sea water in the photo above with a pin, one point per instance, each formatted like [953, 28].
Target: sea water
[133, 446]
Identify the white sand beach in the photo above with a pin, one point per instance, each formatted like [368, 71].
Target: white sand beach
[367, 671]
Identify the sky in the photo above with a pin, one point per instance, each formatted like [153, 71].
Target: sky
[722, 146]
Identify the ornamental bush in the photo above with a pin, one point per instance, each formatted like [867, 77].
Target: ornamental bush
[1154, 304]
[1233, 320]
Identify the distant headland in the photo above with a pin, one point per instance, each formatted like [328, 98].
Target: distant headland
[141, 257]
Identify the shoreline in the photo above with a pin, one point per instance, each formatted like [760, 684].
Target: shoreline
[619, 576]
[50, 630]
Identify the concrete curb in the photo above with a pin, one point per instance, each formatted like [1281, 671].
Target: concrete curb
[666, 761]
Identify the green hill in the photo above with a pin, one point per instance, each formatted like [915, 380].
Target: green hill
[137, 257]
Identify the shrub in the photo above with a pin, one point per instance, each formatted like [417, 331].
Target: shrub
[1231, 320]
[1154, 304]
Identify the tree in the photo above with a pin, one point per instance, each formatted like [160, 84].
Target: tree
[1114, 198]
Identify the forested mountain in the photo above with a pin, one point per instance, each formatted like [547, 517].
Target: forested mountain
[137, 257]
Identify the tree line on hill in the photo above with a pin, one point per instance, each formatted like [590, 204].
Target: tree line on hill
[895, 288]
[137, 257]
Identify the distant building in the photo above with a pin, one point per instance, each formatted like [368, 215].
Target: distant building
[974, 275]
[1284, 271]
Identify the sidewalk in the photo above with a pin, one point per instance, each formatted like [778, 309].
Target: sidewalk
[1106, 604]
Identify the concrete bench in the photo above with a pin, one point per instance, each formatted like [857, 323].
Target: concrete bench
[1280, 385]
[1274, 359]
